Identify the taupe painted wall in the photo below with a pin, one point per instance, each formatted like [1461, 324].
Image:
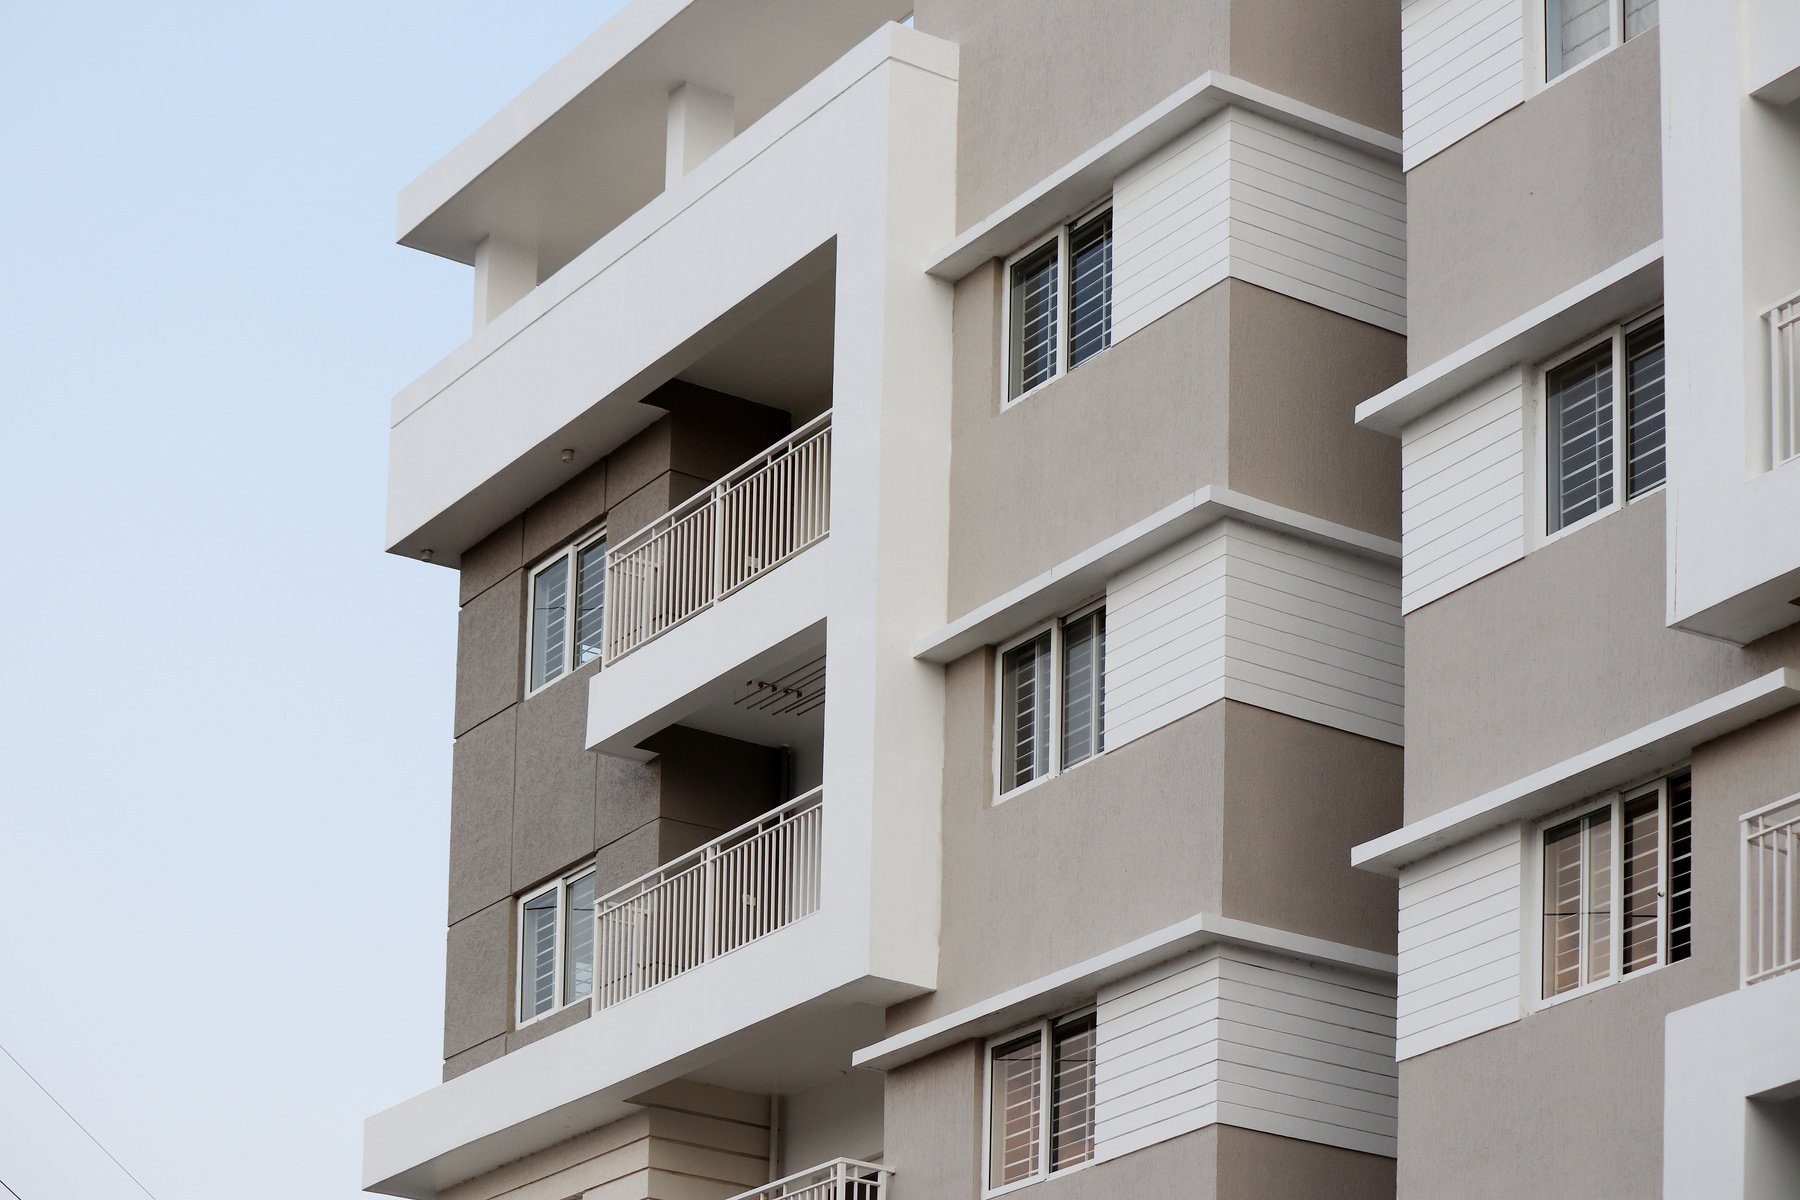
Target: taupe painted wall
[934, 1146]
[527, 798]
[1240, 386]
[1551, 193]
[1220, 812]
[1555, 654]
[1044, 80]
[1297, 797]
[1570, 1099]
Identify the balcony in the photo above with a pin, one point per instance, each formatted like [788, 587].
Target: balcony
[736, 889]
[711, 279]
[1771, 891]
[840, 1179]
[754, 519]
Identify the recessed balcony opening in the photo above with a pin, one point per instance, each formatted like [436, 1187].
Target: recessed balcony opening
[755, 746]
[756, 516]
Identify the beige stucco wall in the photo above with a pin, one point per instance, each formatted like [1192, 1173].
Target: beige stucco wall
[1557, 653]
[1240, 387]
[1043, 80]
[1547, 195]
[1135, 840]
[1571, 1097]
[1297, 796]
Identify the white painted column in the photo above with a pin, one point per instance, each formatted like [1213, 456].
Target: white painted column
[701, 121]
[505, 272]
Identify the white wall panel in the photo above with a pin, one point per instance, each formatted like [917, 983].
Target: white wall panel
[1462, 501]
[1171, 219]
[1245, 195]
[1257, 616]
[1459, 942]
[1234, 1036]
[1462, 65]
[1165, 637]
[1318, 221]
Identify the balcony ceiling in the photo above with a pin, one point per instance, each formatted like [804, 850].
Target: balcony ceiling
[582, 148]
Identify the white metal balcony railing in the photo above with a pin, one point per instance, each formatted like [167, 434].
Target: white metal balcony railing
[1771, 891]
[839, 1179]
[699, 552]
[1784, 380]
[748, 883]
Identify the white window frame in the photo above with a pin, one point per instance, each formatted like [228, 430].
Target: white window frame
[1044, 1027]
[559, 885]
[1059, 235]
[1532, 943]
[1540, 506]
[1538, 26]
[1055, 627]
[571, 552]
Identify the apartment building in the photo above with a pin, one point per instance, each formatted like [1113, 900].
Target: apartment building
[949, 498]
[1601, 530]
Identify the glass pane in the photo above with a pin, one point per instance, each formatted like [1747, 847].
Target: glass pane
[1681, 868]
[1644, 434]
[1562, 909]
[1090, 288]
[1580, 437]
[549, 621]
[1641, 883]
[1574, 31]
[1084, 687]
[537, 956]
[1597, 898]
[1072, 1092]
[1013, 1118]
[1025, 713]
[590, 600]
[1639, 16]
[1033, 332]
[578, 919]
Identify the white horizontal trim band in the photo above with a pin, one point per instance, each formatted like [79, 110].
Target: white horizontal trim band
[1655, 745]
[1085, 575]
[1090, 176]
[1622, 290]
[1080, 982]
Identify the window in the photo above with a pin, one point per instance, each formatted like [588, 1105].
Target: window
[1053, 699]
[1604, 432]
[1577, 30]
[1784, 380]
[1617, 888]
[1040, 1120]
[1063, 283]
[556, 944]
[553, 648]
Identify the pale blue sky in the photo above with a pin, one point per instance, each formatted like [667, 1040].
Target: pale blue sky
[224, 713]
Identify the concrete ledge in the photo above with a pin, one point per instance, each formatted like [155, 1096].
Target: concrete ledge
[1078, 983]
[1622, 290]
[1089, 177]
[653, 687]
[1084, 575]
[1653, 746]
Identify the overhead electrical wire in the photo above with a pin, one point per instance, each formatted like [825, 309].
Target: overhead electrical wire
[84, 1129]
